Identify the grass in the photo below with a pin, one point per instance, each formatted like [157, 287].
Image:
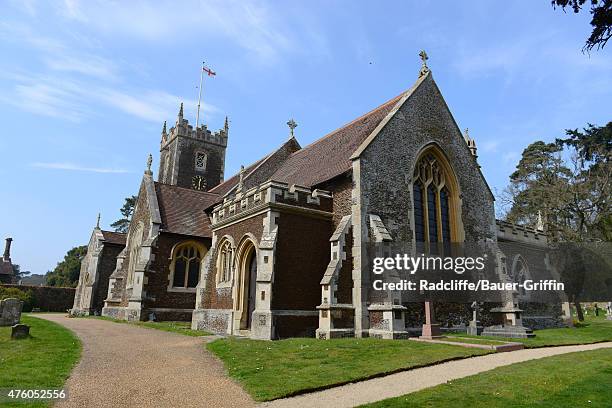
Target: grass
[174, 327]
[270, 370]
[43, 361]
[590, 331]
[570, 380]
[470, 340]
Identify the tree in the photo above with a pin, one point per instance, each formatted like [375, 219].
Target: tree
[569, 183]
[592, 179]
[122, 224]
[66, 273]
[601, 12]
[538, 186]
[18, 272]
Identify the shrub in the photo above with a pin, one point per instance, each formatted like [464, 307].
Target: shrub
[25, 296]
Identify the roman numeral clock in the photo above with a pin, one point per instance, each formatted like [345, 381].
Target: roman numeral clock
[198, 183]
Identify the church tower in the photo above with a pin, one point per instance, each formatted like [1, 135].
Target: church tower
[192, 158]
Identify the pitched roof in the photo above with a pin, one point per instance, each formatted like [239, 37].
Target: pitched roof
[261, 170]
[182, 210]
[329, 156]
[111, 237]
[227, 185]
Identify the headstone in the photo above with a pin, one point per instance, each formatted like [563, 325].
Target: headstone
[20, 331]
[475, 328]
[511, 324]
[10, 311]
[431, 330]
[609, 311]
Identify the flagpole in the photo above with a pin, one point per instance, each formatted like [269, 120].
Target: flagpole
[199, 96]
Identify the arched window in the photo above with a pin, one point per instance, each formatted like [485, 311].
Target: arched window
[134, 247]
[520, 273]
[224, 262]
[200, 161]
[185, 266]
[432, 201]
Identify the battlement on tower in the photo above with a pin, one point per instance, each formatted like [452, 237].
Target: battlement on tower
[184, 129]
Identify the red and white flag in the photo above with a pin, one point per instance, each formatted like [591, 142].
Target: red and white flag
[209, 71]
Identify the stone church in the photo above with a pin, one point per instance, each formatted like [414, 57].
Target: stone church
[276, 250]
[7, 275]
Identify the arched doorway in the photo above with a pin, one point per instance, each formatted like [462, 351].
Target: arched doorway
[247, 287]
[252, 282]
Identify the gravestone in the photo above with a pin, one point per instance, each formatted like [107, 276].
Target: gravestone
[609, 311]
[510, 323]
[10, 311]
[20, 331]
[475, 328]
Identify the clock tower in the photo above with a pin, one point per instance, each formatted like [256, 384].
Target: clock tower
[192, 158]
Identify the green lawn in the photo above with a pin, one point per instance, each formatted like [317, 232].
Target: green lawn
[270, 370]
[590, 331]
[571, 380]
[474, 340]
[175, 327]
[43, 361]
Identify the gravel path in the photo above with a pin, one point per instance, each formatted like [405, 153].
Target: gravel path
[414, 380]
[128, 366]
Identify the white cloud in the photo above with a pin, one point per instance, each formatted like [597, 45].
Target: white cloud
[76, 99]
[252, 25]
[510, 157]
[150, 105]
[490, 146]
[76, 167]
[89, 65]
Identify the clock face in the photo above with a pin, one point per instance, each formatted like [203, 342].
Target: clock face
[198, 183]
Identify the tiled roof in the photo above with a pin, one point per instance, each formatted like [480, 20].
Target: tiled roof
[329, 156]
[228, 184]
[182, 210]
[117, 238]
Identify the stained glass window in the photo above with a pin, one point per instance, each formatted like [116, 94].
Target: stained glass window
[432, 202]
[187, 262]
[224, 262]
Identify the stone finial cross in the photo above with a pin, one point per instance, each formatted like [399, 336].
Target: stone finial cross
[424, 68]
[98, 222]
[241, 181]
[149, 163]
[292, 125]
[424, 57]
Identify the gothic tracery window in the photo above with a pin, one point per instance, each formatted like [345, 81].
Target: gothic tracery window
[186, 266]
[200, 161]
[520, 273]
[134, 251]
[432, 206]
[224, 262]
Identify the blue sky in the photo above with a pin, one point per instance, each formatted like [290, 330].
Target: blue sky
[86, 85]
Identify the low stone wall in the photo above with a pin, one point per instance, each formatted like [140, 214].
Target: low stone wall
[213, 320]
[47, 298]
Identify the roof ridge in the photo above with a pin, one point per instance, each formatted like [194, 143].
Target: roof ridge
[113, 232]
[186, 188]
[333, 132]
[256, 164]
